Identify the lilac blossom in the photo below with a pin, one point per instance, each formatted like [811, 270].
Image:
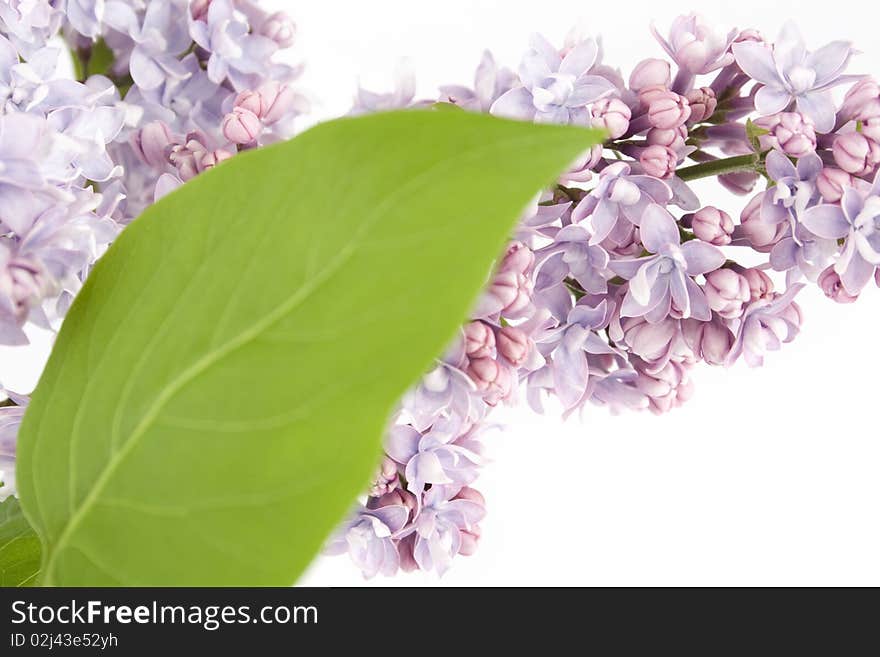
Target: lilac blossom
[620, 193]
[663, 283]
[367, 539]
[159, 37]
[795, 187]
[765, 326]
[443, 455]
[857, 221]
[694, 46]
[789, 73]
[236, 53]
[439, 531]
[555, 89]
[490, 83]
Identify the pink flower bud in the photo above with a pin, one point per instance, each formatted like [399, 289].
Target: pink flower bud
[491, 378]
[703, 103]
[386, 479]
[760, 284]
[470, 536]
[518, 258]
[210, 159]
[790, 132]
[855, 153]
[712, 225]
[666, 387]
[831, 183]
[394, 497]
[648, 94]
[862, 101]
[513, 290]
[726, 292]
[761, 235]
[658, 161]
[241, 126]
[652, 342]
[152, 143]
[710, 341]
[279, 28]
[674, 138]
[251, 101]
[582, 169]
[831, 285]
[185, 158]
[612, 115]
[479, 340]
[278, 99]
[514, 345]
[649, 73]
[669, 110]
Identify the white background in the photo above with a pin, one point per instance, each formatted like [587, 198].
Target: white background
[767, 477]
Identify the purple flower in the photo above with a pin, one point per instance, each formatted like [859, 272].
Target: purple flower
[575, 341]
[236, 52]
[619, 193]
[445, 390]
[555, 89]
[490, 83]
[795, 187]
[666, 387]
[445, 454]
[160, 37]
[790, 74]
[29, 23]
[368, 539]
[570, 255]
[857, 220]
[694, 46]
[662, 283]
[765, 325]
[440, 528]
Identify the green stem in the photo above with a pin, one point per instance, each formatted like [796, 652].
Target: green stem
[721, 166]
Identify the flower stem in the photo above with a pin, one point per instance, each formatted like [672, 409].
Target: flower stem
[721, 166]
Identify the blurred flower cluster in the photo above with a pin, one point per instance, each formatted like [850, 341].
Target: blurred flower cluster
[619, 280]
[161, 90]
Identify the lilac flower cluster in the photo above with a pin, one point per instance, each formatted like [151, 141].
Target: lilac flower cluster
[163, 90]
[619, 280]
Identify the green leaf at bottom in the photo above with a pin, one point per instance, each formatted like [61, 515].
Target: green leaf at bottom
[217, 394]
[19, 546]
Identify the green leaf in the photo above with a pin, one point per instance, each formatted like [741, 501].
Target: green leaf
[100, 60]
[216, 397]
[19, 546]
[754, 134]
